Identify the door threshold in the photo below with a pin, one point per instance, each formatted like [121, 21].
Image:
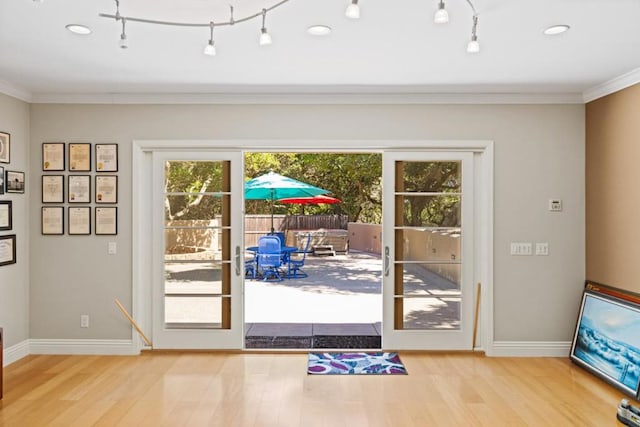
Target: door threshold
[313, 336]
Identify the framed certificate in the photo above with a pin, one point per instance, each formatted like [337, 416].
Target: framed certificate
[8, 249]
[79, 220]
[106, 220]
[52, 220]
[53, 156]
[106, 189]
[106, 157]
[52, 188]
[5, 145]
[6, 215]
[79, 188]
[80, 157]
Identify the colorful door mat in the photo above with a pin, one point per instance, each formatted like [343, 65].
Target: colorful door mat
[355, 363]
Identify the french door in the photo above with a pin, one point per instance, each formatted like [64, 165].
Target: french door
[197, 233]
[428, 250]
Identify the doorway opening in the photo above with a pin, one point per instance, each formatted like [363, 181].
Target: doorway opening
[332, 299]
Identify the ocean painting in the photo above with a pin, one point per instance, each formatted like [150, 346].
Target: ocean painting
[607, 340]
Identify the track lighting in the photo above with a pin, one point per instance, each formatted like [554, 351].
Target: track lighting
[210, 48]
[353, 10]
[441, 16]
[474, 46]
[265, 37]
[123, 37]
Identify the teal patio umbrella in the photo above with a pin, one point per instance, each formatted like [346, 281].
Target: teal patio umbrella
[272, 186]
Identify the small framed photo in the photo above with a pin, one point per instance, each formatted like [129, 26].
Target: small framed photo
[6, 215]
[5, 146]
[106, 157]
[52, 188]
[106, 189]
[14, 182]
[79, 188]
[79, 220]
[106, 220]
[80, 157]
[53, 156]
[8, 249]
[1, 180]
[52, 220]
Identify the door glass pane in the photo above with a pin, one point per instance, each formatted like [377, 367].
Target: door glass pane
[429, 313]
[197, 244]
[428, 245]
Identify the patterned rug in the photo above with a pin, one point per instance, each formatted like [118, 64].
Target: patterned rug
[355, 363]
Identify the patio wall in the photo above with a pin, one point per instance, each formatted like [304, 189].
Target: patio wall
[365, 237]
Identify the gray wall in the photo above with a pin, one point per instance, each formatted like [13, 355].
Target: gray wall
[539, 154]
[14, 278]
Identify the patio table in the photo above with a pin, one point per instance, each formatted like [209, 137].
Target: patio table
[286, 254]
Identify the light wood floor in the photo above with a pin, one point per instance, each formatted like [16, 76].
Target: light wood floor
[234, 389]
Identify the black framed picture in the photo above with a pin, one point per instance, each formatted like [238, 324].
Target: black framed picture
[606, 341]
[8, 249]
[14, 182]
[79, 190]
[106, 221]
[6, 215]
[106, 157]
[80, 157]
[1, 180]
[53, 158]
[5, 147]
[52, 220]
[106, 189]
[79, 220]
[52, 188]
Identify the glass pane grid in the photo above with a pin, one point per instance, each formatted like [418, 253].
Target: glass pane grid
[206, 193]
[428, 193]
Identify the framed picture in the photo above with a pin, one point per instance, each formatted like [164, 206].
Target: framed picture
[5, 146]
[80, 157]
[14, 182]
[52, 188]
[79, 220]
[6, 215]
[1, 180]
[606, 341]
[52, 220]
[106, 220]
[53, 156]
[106, 157]
[8, 249]
[106, 189]
[79, 188]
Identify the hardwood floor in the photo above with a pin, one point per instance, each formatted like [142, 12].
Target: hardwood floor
[235, 389]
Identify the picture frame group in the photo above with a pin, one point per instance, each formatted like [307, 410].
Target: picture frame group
[57, 156]
[606, 341]
[79, 220]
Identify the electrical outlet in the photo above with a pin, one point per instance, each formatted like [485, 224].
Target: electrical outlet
[84, 320]
[112, 248]
[555, 205]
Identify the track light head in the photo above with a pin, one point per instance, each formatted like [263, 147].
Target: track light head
[353, 10]
[441, 16]
[265, 37]
[210, 48]
[123, 43]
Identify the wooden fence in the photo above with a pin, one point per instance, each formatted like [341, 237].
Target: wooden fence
[259, 225]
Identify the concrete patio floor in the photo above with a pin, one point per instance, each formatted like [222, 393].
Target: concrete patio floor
[338, 289]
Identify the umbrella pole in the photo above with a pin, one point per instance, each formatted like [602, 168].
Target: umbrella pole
[272, 230]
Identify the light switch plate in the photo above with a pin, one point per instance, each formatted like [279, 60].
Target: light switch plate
[542, 248]
[112, 248]
[519, 248]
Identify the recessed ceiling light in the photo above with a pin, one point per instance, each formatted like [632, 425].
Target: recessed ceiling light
[83, 30]
[554, 30]
[319, 30]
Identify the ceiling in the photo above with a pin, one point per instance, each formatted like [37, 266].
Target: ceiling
[393, 48]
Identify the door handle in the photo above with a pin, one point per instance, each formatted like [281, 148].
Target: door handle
[387, 261]
[237, 260]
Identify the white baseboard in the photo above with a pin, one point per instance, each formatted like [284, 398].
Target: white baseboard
[530, 349]
[102, 347]
[15, 352]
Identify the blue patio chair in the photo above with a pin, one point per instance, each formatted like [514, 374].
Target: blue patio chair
[295, 265]
[270, 257]
[250, 267]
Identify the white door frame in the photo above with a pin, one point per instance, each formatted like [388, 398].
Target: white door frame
[484, 167]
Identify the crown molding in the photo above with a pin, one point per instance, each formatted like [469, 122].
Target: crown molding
[310, 98]
[614, 85]
[16, 92]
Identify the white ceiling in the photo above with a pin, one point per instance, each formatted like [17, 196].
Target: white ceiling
[393, 48]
